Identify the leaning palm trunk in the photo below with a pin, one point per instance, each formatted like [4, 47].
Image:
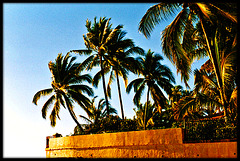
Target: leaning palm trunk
[74, 118]
[120, 97]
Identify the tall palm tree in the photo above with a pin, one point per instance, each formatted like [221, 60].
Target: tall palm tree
[199, 29]
[155, 76]
[178, 39]
[120, 61]
[66, 88]
[207, 93]
[222, 61]
[99, 35]
[217, 76]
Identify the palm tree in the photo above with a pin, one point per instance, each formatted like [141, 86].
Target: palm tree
[145, 114]
[96, 113]
[207, 94]
[175, 95]
[155, 76]
[179, 38]
[222, 62]
[99, 36]
[215, 29]
[66, 88]
[220, 78]
[120, 61]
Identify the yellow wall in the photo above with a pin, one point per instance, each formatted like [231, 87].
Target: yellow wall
[164, 143]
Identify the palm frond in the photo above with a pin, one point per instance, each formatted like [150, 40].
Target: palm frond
[81, 88]
[98, 76]
[105, 31]
[205, 10]
[185, 104]
[158, 97]
[234, 96]
[41, 93]
[86, 63]
[172, 47]
[111, 79]
[101, 104]
[138, 93]
[47, 105]
[81, 99]
[85, 119]
[55, 113]
[225, 14]
[112, 34]
[82, 52]
[135, 50]
[77, 79]
[135, 83]
[155, 15]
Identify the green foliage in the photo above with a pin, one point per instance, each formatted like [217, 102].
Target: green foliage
[145, 114]
[180, 42]
[156, 78]
[66, 88]
[209, 130]
[109, 124]
[128, 125]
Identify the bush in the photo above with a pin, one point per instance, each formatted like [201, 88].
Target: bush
[109, 124]
[128, 125]
[209, 130]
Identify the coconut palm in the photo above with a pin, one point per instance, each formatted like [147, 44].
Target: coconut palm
[99, 35]
[67, 88]
[220, 79]
[207, 94]
[222, 61]
[96, 113]
[120, 61]
[175, 95]
[155, 77]
[179, 41]
[214, 30]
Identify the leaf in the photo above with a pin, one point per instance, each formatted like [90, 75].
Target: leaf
[55, 113]
[225, 14]
[155, 15]
[46, 106]
[41, 93]
[82, 52]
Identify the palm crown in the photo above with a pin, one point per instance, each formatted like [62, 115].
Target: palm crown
[179, 41]
[99, 36]
[66, 88]
[120, 62]
[155, 76]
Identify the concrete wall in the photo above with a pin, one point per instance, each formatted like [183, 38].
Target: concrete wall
[164, 143]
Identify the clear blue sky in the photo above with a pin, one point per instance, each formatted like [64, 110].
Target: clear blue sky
[33, 35]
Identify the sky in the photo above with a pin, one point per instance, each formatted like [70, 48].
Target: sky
[33, 35]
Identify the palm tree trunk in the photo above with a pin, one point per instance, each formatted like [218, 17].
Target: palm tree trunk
[119, 94]
[74, 118]
[104, 85]
[145, 110]
[216, 70]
